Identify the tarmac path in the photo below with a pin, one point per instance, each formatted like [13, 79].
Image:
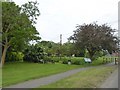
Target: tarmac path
[111, 81]
[51, 79]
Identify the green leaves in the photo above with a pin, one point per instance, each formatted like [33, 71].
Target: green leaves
[16, 25]
[18, 29]
[94, 37]
[33, 53]
[31, 10]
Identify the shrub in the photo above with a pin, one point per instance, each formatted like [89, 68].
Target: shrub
[65, 62]
[14, 56]
[56, 59]
[48, 59]
[74, 60]
[33, 54]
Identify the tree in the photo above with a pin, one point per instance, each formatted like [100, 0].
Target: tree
[67, 49]
[49, 47]
[94, 37]
[31, 10]
[18, 29]
[33, 53]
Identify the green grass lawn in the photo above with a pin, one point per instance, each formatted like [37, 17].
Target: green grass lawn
[19, 72]
[13, 73]
[90, 78]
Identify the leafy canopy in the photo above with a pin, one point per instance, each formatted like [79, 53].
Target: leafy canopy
[18, 28]
[94, 37]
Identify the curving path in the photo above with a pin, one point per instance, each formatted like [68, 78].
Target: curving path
[50, 79]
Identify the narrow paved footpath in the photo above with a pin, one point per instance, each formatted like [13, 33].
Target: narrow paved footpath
[111, 81]
[50, 79]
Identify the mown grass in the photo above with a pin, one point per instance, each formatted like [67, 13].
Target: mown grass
[90, 78]
[13, 73]
[18, 72]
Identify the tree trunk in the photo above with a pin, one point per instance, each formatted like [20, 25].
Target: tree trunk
[91, 54]
[4, 54]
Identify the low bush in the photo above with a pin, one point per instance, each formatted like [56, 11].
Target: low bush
[14, 56]
[56, 59]
[103, 60]
[78, 60]
[65, 61]
[74, 60]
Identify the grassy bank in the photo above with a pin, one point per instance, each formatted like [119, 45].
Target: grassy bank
[19, 72]
[90, 78]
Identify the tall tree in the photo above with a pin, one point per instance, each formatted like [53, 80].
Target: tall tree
[94, 37]
[18, 29]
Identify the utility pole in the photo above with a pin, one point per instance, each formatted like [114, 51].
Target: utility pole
[60, 45]
[60, 39]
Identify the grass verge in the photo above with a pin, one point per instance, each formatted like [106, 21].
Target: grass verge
[90, 78]
[18, 72]
[13, 73]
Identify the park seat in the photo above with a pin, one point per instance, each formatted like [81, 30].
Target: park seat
[87, 60]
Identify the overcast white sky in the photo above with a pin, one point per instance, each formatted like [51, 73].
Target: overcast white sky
[61, 16]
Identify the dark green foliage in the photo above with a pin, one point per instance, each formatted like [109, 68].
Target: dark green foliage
[33, 54]
[55, 49]
[31, 10]
[74, 60]
[56, 59]
[78, 61]
[65, 62]
[48, 47]
[94, 38]
[14, 56]
[48, 59]
[17, 26]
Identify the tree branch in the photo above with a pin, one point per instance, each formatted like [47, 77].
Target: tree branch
[8, 28]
